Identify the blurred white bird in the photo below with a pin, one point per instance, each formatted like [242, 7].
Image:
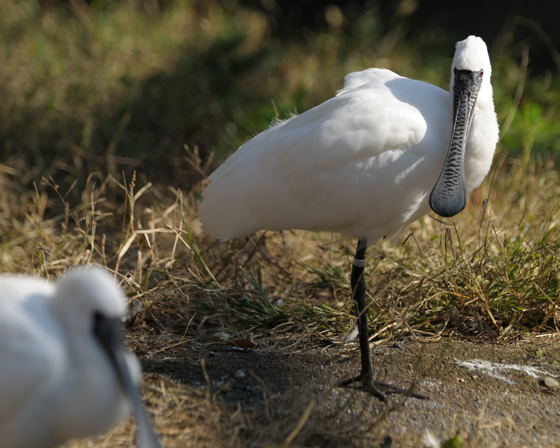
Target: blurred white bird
[65, 372]
[365, 163]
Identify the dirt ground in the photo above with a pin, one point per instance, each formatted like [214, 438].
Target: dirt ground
[284, 394]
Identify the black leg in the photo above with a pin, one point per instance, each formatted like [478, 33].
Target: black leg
[366, 377]
[358, 286]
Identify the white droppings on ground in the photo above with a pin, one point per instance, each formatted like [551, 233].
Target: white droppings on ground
[429, 440]
[497, 369]
[353, 334]
[430, 384]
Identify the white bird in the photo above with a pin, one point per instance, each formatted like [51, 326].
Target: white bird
[365, 163]
[64, 371]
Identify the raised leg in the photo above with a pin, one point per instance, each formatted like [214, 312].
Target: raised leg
[358, 285]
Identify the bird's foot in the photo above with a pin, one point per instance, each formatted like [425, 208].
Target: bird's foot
[379, 389]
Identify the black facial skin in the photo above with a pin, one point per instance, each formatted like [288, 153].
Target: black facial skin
[449, 195]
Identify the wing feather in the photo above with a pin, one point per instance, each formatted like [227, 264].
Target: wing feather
[371, 75]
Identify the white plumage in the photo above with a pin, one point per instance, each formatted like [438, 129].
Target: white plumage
[365, 163]
[362, 163]
[56, 380]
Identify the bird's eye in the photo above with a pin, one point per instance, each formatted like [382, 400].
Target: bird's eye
[480, 74]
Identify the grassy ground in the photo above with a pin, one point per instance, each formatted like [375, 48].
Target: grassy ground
[97, 107]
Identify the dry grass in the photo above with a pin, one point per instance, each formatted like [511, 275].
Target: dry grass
[491, 273]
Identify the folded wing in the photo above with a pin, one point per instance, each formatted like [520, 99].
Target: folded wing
[315, 170]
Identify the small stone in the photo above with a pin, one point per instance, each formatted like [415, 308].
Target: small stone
[240, 374]
[224, 336]
[551, 383]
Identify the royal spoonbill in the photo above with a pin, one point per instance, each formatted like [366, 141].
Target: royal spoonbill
[64, 371]
[365, 163]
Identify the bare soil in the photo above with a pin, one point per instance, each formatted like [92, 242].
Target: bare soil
[284, 393]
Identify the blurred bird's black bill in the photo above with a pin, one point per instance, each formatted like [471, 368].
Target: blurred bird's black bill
[108, 331]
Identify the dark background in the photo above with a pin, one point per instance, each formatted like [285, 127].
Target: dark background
[531, 23]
